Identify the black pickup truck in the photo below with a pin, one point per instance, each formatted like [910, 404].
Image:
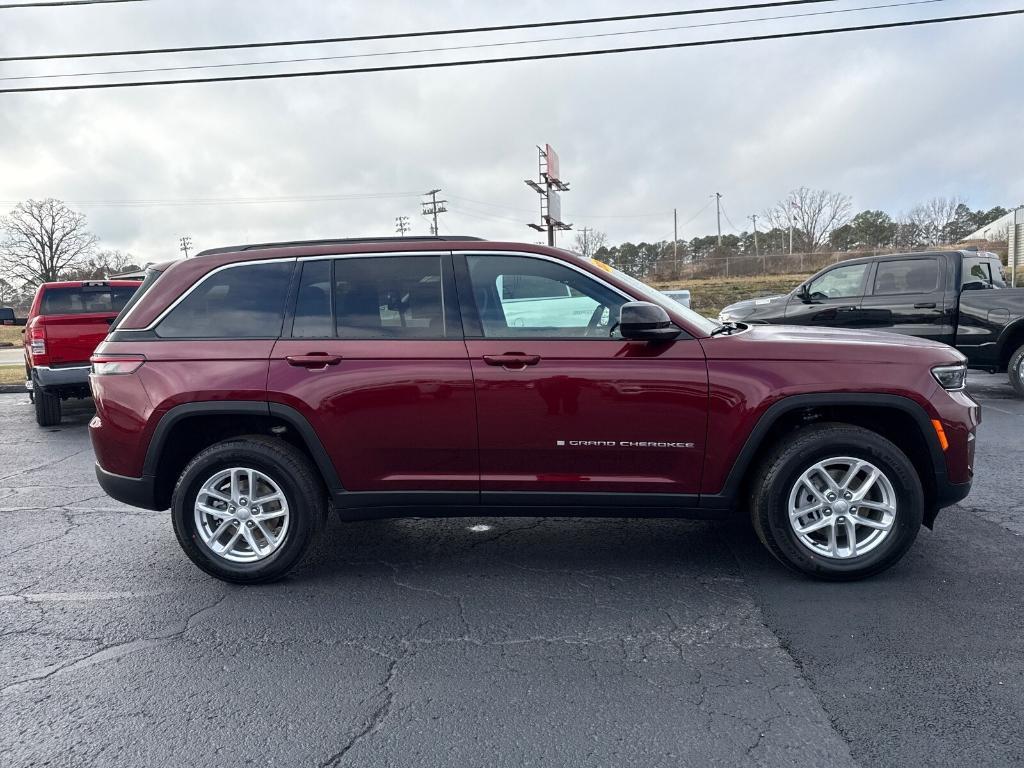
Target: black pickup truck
[957, 297]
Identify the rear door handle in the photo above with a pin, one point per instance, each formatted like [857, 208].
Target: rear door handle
[925, 305]
[313, 360]
[512, 360]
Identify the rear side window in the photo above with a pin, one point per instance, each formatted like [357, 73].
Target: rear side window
[982, 273]
[910, 276]
[236, 303]
[85, 299]
[389, 297]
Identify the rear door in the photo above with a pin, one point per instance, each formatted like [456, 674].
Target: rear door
[832, 299]
[78, 317]
[373, 356]
[908, 296]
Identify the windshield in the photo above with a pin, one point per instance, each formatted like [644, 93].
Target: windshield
[657, 297]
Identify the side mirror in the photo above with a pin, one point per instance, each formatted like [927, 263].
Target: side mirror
[643, 321]
[976, 285]
[804, 293]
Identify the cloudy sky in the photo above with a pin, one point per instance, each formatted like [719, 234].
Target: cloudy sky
[890, 117]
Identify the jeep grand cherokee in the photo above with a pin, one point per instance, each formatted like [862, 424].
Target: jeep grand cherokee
[253, 388]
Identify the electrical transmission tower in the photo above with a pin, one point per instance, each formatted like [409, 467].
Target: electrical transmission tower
[432, 207]
[402, 225]
[548, 185]
[185, 245]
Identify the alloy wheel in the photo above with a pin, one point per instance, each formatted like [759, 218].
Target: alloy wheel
[241, 515]
[842, 507]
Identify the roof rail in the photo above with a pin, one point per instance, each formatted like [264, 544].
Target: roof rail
[338, 241]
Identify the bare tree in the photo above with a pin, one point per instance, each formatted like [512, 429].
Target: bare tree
[40, 240]
[589, 241]
[813, 214]
[933, 219]
[102, 265]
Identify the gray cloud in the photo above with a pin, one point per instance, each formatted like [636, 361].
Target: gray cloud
[890, 118]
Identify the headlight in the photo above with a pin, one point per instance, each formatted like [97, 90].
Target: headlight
[951, 377]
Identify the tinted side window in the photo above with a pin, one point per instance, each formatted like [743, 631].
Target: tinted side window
[235, 303]
[910, 276]
[313, 304]
[389, 297]
[548, 300]
[982, 273]
[840, 283]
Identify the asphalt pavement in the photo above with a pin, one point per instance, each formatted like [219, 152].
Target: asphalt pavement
[494, 642]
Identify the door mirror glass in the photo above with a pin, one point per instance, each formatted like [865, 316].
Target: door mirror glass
[643, 321]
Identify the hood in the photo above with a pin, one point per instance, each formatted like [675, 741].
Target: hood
[741, 310]
[795, 342]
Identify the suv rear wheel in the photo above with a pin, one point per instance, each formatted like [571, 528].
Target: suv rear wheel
[244, 510]
[837, 502]
[47, 406]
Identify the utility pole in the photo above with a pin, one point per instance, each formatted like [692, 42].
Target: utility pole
[401, 225]
[186, 243]
[586, 241]
[757, 249]
[718, 209]
[432, 207]
[675, 237]
[548, 185]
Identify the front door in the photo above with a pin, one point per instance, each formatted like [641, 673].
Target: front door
[569, 412]
[374, 359]
[832, 299]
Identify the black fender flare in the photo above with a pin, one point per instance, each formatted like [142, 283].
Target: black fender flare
[742, 464]
[284, 413]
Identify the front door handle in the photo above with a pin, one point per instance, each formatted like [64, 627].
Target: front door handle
[512, 360]
[313, 360]
[925, 305]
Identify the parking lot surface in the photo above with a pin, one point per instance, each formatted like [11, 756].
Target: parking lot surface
[491, 642]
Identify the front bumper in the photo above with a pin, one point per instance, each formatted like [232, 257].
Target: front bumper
[69, 376]
[136, 491]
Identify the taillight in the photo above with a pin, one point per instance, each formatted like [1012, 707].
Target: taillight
[37, 341]
[111, 365]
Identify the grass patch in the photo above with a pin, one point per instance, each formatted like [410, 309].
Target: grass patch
[12, 374]
[709, 295]
[12, 334]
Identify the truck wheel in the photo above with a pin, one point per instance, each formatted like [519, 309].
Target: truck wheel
[837, 502]
[1016, 371]
[244, 510]
[47, 407]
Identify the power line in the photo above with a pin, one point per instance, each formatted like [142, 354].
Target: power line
[426, 33]
[55, 3]
[514, 59]
[476, 46]
[159, 203]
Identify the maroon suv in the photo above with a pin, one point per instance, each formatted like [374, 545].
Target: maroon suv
[252, 388]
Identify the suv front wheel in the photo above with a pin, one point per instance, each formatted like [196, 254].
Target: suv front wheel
[837, 502]
[244, 510]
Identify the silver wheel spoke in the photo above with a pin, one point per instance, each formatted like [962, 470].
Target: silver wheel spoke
[817, 525]
[239, 533]
[223, 514]
[833, 520]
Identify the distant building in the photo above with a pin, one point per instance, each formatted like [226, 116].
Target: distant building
[996, 230]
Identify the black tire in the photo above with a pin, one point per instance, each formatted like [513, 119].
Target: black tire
[777, 475]
[1016, 371]
[288, 468]
[47, 407]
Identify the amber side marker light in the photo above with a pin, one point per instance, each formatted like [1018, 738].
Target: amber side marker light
[941, 434]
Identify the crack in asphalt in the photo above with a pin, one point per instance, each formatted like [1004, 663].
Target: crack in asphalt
[377, 718]
[116, 651]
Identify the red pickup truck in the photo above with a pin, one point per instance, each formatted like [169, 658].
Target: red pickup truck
[65, 324]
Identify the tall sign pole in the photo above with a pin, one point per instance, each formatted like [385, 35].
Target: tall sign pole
[549, 186]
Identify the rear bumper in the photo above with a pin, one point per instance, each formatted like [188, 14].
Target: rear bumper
[72, 375]
[136, 491]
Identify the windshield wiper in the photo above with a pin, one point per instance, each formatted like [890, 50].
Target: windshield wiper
[727, 328]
